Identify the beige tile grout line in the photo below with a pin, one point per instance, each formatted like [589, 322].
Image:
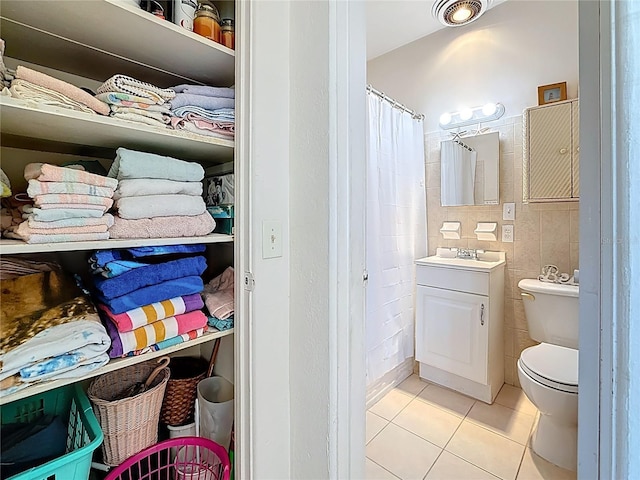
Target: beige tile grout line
[385, 469]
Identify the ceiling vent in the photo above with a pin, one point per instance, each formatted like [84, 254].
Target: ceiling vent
[455, 13]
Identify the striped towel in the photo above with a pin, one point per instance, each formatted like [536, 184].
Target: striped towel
[125, 84]
[125, 342]
[52, 173]
[106, 219]
[36, 187]
[139, 317]
[169, 342]
[74, 198]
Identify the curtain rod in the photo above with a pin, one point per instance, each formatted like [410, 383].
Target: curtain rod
[395, 103]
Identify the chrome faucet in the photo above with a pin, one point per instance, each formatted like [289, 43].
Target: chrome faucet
[470, 253]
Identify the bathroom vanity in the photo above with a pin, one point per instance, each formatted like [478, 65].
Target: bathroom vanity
[459, 321]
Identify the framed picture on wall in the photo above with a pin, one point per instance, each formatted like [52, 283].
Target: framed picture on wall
[554, 92]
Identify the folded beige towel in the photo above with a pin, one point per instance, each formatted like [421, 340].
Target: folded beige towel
[28, 91]
[71, 91]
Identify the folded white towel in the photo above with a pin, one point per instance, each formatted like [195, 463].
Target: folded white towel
[156, 186]
[151, 206]
[131, 164]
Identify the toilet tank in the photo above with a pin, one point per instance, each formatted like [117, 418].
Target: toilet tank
[551, 311]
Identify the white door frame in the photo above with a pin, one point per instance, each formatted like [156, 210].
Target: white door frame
[608, 405]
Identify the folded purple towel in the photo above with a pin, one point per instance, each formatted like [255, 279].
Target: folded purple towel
[208, 103]
[206, 91]
[154, 293]
[153, 274]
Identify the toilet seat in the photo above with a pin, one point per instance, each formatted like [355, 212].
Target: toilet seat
[551, 365]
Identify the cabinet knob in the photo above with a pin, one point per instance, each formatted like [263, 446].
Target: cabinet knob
[482, 314]
[563, 151]
[577, 149]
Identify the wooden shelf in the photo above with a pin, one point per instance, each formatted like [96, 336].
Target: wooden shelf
[12, 247]
[30, 121]
[97, 39]
[114, 364]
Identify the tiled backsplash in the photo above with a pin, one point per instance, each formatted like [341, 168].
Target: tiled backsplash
[543, 233]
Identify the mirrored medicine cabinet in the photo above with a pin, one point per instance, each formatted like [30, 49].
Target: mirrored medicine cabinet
[470, 170]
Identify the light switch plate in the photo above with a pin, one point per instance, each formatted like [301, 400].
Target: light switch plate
[271, 239]
[507, 233]
[509, 211]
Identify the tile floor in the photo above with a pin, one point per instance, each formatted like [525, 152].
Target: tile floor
[423, 431]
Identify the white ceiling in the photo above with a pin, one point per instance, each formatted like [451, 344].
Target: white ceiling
[394, 23]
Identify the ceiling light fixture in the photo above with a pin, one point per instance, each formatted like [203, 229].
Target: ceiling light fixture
[454, 13]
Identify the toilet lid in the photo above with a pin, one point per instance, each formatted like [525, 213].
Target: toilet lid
[552, 365]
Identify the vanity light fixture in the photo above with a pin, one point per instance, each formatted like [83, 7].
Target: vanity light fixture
[455, 13]
[469, 116]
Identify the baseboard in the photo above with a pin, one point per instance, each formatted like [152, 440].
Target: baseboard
[391, 379]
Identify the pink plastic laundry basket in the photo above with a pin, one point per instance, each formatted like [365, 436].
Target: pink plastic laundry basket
[183, 458]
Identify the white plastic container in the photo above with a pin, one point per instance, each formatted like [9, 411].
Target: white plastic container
[184, 11]
[215, 400]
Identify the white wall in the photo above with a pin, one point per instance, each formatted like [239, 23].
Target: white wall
[502, 57]
[309, 226]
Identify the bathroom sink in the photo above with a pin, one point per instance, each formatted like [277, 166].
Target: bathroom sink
[445, 257]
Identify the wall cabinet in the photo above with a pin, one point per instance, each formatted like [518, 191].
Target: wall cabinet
[459, 326]
[551, 170]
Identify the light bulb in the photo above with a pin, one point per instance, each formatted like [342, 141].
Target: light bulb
[461, 14]
[489, 109]
[445, 118]
[466, 114]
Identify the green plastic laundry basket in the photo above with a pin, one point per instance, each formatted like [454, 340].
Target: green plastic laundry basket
[83, 431]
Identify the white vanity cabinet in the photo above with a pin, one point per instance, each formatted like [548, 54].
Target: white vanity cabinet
[459, 324]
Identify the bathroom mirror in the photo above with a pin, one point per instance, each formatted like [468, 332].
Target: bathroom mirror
[470, 170]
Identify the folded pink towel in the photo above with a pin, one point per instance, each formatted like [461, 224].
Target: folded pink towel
[163, 227]
[25, 230]
[66, 237]
[73, 92]
[36, 187]
[52, 173]
[48, 198]
[219, 295]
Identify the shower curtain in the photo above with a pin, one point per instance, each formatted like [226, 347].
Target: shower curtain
[396, 234]
[458, 165]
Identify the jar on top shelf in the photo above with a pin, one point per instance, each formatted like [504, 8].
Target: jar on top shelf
[207, 22]
[227, 33]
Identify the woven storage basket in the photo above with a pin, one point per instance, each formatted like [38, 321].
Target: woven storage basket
[131, 424]
[180, 396]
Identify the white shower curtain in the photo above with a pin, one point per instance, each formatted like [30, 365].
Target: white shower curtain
[458, 164]
[396, 233]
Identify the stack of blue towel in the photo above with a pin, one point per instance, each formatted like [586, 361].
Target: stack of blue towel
[204, 110]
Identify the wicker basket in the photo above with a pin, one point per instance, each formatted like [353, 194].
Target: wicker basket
[180, 396]
[131, 424]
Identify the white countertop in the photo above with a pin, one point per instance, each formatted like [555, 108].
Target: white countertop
[486, 262]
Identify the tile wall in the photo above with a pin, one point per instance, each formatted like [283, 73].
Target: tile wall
[543, 233]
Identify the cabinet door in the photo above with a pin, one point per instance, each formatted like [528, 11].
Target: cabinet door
[550, 152]
[452, 332]
[575, 134]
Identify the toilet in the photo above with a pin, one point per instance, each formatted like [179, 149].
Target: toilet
[548, 372]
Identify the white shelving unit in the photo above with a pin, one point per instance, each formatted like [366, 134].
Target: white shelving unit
[26, 120]
[96, 39]
[114, 364]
